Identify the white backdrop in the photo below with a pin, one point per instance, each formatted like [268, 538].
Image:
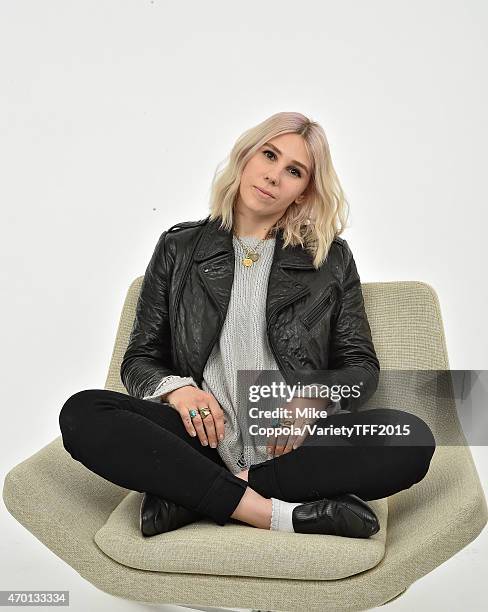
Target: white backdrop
[114, 116]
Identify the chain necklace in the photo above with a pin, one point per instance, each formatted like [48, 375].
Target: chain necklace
[251, 255]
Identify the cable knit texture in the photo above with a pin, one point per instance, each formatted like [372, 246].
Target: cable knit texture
[243, 345]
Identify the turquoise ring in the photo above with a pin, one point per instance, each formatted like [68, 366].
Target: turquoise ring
[193, 413]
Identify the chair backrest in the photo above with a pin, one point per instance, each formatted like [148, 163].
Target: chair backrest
[408, 335]
[409, 339]
[122, 337]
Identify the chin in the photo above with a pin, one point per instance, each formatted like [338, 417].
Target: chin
[254, 204]
[255, 208]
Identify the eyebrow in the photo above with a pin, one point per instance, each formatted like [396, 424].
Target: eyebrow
[293, 161]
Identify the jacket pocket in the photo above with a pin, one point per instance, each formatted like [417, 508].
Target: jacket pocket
[311, 317]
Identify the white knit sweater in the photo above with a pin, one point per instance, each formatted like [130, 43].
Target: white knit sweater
[242, 345]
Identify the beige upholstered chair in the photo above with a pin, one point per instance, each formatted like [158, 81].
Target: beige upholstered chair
[93, 524]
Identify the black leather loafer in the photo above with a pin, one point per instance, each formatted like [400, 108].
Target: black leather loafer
[158, 515]
[346, 515]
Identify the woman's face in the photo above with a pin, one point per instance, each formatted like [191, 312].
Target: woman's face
[282, 167]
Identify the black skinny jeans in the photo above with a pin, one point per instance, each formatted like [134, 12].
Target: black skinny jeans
[144, 446]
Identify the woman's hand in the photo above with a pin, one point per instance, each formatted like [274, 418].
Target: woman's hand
[285, 443]
[211, 428]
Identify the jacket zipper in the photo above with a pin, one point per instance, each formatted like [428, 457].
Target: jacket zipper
[311, 318]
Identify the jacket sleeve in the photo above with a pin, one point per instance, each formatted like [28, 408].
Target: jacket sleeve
[352, 360]
[168, 384]
[147, 359]
[352, 356]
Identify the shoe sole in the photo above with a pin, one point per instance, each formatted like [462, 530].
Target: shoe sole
[140, 513]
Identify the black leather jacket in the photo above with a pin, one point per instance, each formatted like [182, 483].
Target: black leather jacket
[316, 323]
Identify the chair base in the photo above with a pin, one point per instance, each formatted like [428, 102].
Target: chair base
[207, 609]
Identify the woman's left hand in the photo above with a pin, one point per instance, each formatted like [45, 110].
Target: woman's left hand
[285, 443]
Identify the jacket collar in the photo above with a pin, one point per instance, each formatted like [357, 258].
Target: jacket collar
[215, 241]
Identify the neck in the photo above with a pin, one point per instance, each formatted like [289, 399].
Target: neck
[245, 227]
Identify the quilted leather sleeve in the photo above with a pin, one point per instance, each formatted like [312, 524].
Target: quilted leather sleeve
[147, 359]
[352, 356]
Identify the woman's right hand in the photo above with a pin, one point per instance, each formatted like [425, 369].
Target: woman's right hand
[210, 429]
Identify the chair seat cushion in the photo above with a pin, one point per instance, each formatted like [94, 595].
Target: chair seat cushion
[237, 549]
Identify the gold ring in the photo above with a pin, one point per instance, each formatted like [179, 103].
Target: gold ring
[204, 412]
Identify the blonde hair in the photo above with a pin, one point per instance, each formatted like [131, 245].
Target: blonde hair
[322, 215]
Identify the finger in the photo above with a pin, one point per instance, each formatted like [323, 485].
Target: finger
[281, 441]
[299, 441]
[298, 427]
[270, 447]
[209, 425]
[289, 444]
[198, 425]
[187, 422]
[218, 416]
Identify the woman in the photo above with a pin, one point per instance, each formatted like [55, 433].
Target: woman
[264, 284]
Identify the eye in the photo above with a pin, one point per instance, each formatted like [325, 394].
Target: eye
[298, 173]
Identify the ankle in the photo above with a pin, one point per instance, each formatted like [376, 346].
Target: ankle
[254, 510]
[267, 511]
[244, 475]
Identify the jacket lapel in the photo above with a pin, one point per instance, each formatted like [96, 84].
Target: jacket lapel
[215, 259]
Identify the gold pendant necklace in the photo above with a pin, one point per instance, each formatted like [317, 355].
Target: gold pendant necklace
[250, 258]
[251, 255]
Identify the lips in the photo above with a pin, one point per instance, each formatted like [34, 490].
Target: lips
[264, 191]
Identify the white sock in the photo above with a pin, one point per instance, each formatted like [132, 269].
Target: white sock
[281, 515]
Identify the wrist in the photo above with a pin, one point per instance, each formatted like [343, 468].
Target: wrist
[165, 397]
